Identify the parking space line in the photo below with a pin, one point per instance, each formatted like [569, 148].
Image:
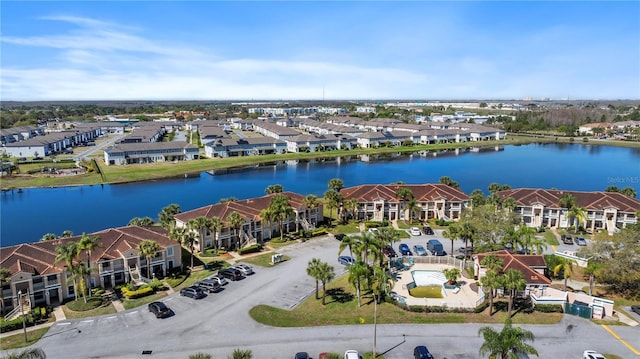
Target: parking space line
[553, 248]
[634, 350]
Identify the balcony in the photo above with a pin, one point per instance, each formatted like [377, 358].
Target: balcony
[52, 283]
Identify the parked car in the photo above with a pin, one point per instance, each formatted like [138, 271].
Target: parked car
[421, 352]
[373, 231]
[466, 251]
[566, 239]
[245, 269]
[220, 279]
[404, 250]
[302, 355]
[346, 260]
[580, 241]
[435, 247]
[419, 250]
[635, 309]
[209, 285]
[415, 231]
[231, 274]
[159, 309]
[351, 354]
[427, 230]
[340, 236]
[389, 251]
[592, 354]
[193, 292]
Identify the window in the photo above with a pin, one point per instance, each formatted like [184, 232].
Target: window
[169, 251]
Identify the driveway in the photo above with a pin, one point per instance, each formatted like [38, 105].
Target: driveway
[220, 323]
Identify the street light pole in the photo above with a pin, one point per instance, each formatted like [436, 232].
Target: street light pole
[375, 323]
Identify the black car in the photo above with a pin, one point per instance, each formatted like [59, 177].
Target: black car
[302, 355]
[231, 274]
[193, 292]
[427, 230]
[421, 352]
[340, 236]
[389, 251]
[635, 309]
[159, 309]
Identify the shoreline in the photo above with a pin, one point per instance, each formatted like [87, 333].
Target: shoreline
[169, 170]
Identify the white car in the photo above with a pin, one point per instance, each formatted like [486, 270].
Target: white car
[351, 354]
[592, 354]
[245, 269]
[415, 231]
[220, 279]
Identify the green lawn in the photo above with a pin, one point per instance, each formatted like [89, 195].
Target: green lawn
[264, 260]
[342, 309]
[138, 302]
[17, 341]
[550, 238]
[102, 310]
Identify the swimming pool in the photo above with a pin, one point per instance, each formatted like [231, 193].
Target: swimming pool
[428, 277]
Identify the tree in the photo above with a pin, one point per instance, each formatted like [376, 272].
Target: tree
[567, 200]
[451, 233]
[281, 209]
[525, 236]
[358, 273]
[477, 198]
[493, 267]
[577, 215]
[66, 234]
[5, 275]
[235, 221]
[48, 237]
[336, 184]
[404, 194]
[313, 270]
[629, 192]
[350, 242]
[167, 214]
[88, 244]
[143, 222]
[31, 353]
[67, 253]
[448, 181]
[325, 274]
[200, 356]
[267, 216]
[506, 343]
[274, 188]
[566, 267]
[351, 205]
[332, 199]
[148, 250]
[241, 354]
[311, 201]
[451, 274]
[200, 224]
[593, 270]
[513, 281]
[215, 224]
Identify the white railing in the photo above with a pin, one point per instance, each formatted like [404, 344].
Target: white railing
[13, 314]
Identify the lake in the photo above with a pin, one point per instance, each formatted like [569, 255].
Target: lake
[26, 216]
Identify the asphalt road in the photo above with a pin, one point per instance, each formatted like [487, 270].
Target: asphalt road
[220, 323]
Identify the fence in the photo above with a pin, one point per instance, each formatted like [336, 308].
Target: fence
[452, 261]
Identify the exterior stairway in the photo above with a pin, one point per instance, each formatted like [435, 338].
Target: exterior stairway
[136, 277]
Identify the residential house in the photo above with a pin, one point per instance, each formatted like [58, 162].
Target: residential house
[248, 146]
[130, 153]
[379, 202]
[34, 270]
[532, 266]
[604, 210]
[254, 229]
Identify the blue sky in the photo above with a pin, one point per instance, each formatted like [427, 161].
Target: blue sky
[213, 50]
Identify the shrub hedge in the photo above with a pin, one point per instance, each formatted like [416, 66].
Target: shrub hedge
[250, 249]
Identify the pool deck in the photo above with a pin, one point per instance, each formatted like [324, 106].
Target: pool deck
[465, 298]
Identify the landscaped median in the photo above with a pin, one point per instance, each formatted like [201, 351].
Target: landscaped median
[342, 309]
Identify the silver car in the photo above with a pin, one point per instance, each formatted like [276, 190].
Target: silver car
[245, 269]
[220, 279]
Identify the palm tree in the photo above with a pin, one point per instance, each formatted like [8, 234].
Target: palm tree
[506, 343]
[68, 253]
[357, 273]
[332, 199]
[351, 205]
[366, 243]
[215, 224]
[492, 279]
[350, 242]
[313, 270]
[48, 237]
[88, 244]
[325, 274]
[148, 249]
[509, 204]
[567, 200]
[281, 209]
[448, 181]
[267, 216]
[525, 236]
[274, 188]
[81, 272]
[404, 194]
[185, 237]
[200, 224]
[166, 216]
[241, 354]
[5, 274]
[477, 198]
[513, 281]
[451, 274]
[566, 267]
[336, 184]
[31, 353]
[143, 222]
[310, 202]
[578, 214]
[66, 234]
[451, 233]
[593, 270]
[629, 192]
[235, 221]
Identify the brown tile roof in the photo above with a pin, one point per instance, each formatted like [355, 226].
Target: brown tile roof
[421, 192]
[39, 257]
[588, 200]
[249, 208]
[522, 263]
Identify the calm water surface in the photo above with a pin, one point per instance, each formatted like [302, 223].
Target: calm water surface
[27, 216]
